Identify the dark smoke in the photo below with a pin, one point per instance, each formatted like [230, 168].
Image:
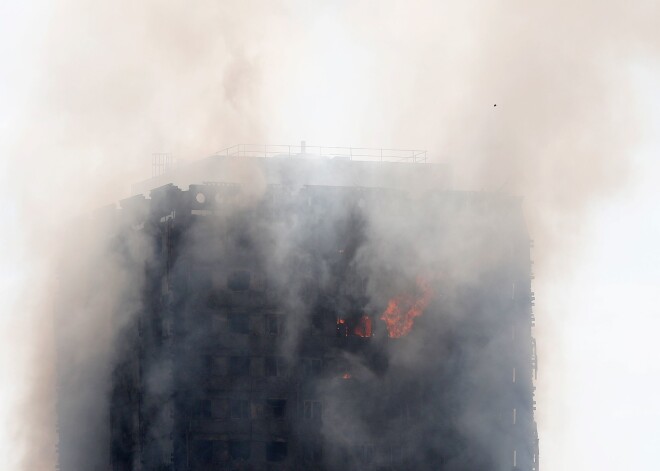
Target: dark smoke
[105, 85]
[316, 254]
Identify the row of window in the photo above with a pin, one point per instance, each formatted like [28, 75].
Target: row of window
[220, 451]
[245, 409]
[271, 366]
[236, 281]
[239, 323]
[312, 409]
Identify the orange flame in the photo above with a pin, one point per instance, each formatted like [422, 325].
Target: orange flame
[358, 327]
[402, 309]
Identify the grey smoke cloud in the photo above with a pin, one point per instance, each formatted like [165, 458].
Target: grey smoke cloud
[315, 264]
[111, 83]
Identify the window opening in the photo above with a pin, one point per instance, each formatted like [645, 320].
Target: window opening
[276, 408]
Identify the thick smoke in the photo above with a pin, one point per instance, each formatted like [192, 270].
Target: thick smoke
[101, 274]
[322, 254]
[104, 85]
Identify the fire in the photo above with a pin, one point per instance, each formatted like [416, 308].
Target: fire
[402, 309]
[356, 327]
[346, 376]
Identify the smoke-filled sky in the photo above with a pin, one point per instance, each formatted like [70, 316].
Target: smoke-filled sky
[88, 90]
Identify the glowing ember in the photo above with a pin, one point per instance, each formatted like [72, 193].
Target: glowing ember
[342, 331]
[346, 376]
[402, 309]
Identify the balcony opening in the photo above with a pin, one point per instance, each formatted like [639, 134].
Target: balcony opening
[276, 408]
[240, 449]
[276, 451]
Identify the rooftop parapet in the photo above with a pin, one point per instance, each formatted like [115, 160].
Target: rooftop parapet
[364, 154]
[299, 165]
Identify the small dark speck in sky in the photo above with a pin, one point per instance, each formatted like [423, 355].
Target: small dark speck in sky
[495, 104]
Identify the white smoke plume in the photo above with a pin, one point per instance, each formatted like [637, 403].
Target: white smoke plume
[93, 88]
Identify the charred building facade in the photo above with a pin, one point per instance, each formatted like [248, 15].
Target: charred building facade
[322, 327]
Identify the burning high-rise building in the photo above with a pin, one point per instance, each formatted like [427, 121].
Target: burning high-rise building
[305, 312]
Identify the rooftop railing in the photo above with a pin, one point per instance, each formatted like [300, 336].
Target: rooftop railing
[344, 153]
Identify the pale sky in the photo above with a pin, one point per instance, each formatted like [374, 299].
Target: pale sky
[598, 320]
[607, 316]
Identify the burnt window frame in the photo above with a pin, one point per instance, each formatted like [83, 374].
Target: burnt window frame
[239, 366]
[239, 409]
[311, 367]
[312, 452]
[364, 453]
[276, 365]
[239, 449]
[239, 322]
[203, 409]
[312, 409]
[215, 366]
[395, 454]
[239, 281]
[273, 405]
[203, 451]
[220, 451]
[276, 321]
